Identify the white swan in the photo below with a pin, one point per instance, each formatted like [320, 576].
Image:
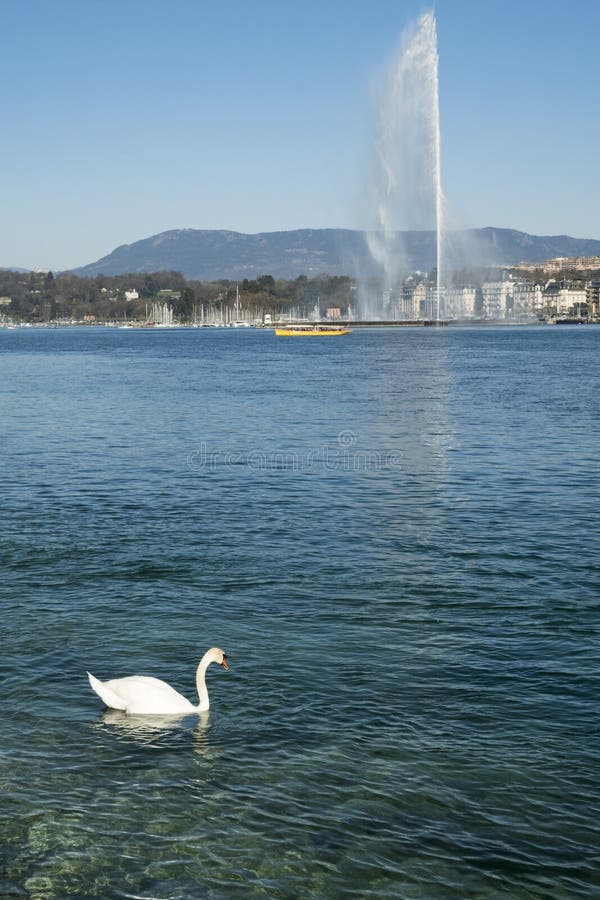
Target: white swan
[140, 695]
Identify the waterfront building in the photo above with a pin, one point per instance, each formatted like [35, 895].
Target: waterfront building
[528, 299]
[459, 302]
[429, 309]
[572, 302]
[409, 300]
[592, 292]
[497, 299]
[562, 299]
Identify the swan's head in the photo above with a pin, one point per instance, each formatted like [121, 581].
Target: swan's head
[216, 655]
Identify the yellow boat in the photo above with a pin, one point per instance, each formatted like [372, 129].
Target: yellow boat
[310, 330]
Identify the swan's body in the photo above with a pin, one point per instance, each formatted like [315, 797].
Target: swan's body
[141, 695]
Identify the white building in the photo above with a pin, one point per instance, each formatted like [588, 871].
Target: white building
[459, 302]
[528, 298]
[570, 301]
[416, 301]
[497, 299]
[430, 309]
[407, 303]
[132, 295]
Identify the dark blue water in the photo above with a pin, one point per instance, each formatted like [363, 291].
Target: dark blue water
[394, 536]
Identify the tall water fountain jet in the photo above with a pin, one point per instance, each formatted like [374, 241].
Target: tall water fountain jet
[406, 190]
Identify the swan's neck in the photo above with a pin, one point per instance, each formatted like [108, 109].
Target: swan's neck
[201, 684]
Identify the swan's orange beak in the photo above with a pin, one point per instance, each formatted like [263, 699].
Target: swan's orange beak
[224, 663]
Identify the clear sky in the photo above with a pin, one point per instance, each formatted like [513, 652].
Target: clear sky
[124, 118]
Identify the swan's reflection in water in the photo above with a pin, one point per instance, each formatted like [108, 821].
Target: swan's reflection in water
[159, 731]
[148, 725]
[162, 731]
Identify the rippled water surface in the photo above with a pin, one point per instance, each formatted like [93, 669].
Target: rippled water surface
[394, 536]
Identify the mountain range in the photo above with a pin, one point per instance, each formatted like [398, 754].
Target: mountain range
[209, 255]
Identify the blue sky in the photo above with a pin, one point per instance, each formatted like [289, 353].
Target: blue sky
[124, 118]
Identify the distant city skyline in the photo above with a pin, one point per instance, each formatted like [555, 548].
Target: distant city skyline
[124, 120]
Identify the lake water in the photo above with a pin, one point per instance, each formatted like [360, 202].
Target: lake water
[394, 536]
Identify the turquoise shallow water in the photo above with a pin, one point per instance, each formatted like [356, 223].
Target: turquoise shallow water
[394, 537]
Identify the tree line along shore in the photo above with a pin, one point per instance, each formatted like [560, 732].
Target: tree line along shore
[42, 297]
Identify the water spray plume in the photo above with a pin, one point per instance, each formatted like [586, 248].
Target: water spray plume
[407, 180]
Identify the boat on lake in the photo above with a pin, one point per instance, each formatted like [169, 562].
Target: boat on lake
[314, 330]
